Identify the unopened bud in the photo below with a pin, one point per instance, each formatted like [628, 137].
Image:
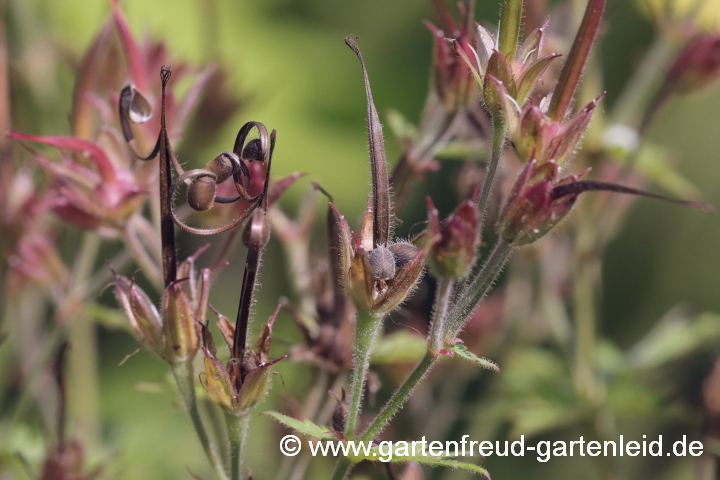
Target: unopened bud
[340, 414]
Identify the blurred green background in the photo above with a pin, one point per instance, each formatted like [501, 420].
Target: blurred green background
[288, 59]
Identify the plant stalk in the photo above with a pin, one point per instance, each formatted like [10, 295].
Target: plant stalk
[83, 354]
[476, 287]
[237, 428]
[398, 399]
[498, 141]
[185, 379]
[443, 298]
[510, 23]
[366, 329]
[342, 469]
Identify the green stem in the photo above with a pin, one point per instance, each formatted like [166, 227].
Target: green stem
[83, 361]
[342, 469]
[477, 286]
[367, 326]
[185, 379]
[509, 30]
[443, 299]
[498, 141]
[587, 270]
[399, 397]
[237, 427]
[635, 97]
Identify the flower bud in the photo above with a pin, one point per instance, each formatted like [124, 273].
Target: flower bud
[498, 74]
[453, 251]
[530, 211]
[340, 414]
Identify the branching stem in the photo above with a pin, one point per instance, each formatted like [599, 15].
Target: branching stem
[185, 379]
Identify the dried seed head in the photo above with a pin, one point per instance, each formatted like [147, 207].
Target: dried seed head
[382, 263]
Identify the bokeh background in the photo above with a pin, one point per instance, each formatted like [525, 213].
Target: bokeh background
[286, 59]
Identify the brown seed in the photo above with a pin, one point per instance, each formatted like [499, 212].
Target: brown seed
[382, 262]
[201, 194]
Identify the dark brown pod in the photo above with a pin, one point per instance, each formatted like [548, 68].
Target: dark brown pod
[201, 193]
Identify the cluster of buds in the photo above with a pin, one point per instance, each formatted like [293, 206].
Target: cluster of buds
[174, 335]
[244, 381]
[453, 80]
[533, 132]
[540, 199]
[518, 68]
[97, 184]
[378, 275]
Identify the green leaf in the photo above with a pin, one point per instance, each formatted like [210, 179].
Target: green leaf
[675, 337]
[399, 347]
[305, 427]
[462, 351]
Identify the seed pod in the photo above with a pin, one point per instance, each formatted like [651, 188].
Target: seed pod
[201, 193]
[382, 263]
[257, 231]
[403, 253]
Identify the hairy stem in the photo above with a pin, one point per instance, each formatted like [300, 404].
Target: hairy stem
[237, 428]
[477, 286]
[510, 22]
[443, 299]
[366, 329]
[498, 141]
[342, 469]
[398, 399]
[185, 379]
